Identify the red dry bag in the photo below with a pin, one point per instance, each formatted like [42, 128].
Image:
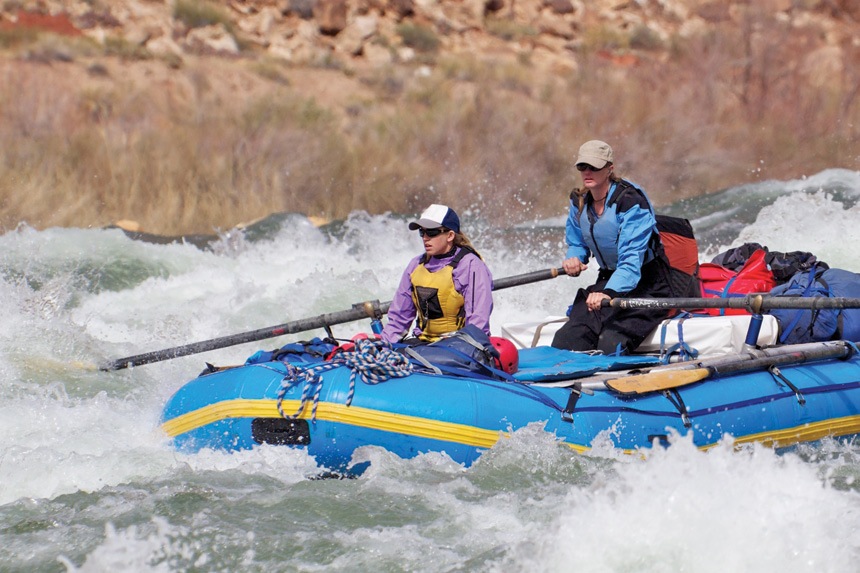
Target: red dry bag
[720, 282]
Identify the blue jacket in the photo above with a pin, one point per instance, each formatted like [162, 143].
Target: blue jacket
[620, 239]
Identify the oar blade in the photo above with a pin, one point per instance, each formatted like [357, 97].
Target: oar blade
[655, 381]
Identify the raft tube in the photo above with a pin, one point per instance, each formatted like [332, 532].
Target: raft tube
[463, 416]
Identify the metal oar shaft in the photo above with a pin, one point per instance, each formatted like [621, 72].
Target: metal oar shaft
[752, 303]
[359, 311]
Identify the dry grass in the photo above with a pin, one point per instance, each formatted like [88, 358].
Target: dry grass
[201, 13]
[184, 153]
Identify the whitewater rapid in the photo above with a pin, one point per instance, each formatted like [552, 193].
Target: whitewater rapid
[88, 482]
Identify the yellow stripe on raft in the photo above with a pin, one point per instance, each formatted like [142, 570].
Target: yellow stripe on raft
[810, 432]
[326, 411]
[458, 433]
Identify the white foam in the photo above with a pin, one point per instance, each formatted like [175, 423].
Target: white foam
[684, 510]
[809, 222]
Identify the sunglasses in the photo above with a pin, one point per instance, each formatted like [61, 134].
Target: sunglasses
[584, 166]
[432, 232]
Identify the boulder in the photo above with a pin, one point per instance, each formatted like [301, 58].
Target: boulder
[560, 7]
[262, 22]
[164, 46]
[299, 45]
[352, 38]
[402, 8]
[211, 39]
[376, 55]
[330, 16]
[554, 26]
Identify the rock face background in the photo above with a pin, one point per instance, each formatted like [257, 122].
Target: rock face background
[364, 33]
[192, 114]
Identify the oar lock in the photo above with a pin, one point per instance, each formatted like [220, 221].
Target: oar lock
[371, 307]
[755, 302]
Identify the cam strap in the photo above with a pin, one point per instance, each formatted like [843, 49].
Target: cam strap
[675, 398]
[426, 363]
[779, 376]
[575, 395]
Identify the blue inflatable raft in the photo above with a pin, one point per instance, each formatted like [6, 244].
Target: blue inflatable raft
[780, 396]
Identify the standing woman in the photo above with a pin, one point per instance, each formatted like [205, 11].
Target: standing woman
[446, 287]
[612, 220]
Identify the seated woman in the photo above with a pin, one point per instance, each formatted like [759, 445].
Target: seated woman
[612, 220]
[446, 287]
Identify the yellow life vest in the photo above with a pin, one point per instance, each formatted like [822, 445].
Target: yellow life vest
[440, 308]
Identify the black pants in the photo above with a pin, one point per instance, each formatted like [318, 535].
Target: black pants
[613, 329]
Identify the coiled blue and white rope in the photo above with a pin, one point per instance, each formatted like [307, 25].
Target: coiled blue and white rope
[374, 361]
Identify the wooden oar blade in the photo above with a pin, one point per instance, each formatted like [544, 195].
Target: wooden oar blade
[655, 381]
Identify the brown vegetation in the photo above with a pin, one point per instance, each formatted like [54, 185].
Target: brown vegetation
[96, 132]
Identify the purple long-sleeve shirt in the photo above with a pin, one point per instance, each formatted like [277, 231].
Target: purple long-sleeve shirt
[472, 279]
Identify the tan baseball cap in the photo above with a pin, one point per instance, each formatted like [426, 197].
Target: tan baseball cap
[596, 153]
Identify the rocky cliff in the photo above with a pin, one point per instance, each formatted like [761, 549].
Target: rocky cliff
[360, 34]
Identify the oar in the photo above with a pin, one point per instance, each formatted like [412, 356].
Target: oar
[688, 373]
[368, 309]
[754, 303]
[358, 311]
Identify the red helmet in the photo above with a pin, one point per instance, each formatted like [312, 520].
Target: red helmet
[509, 358]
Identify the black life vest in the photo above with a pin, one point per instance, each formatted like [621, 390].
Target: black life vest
[674, 243]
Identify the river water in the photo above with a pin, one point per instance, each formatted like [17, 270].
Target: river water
[88, 483]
